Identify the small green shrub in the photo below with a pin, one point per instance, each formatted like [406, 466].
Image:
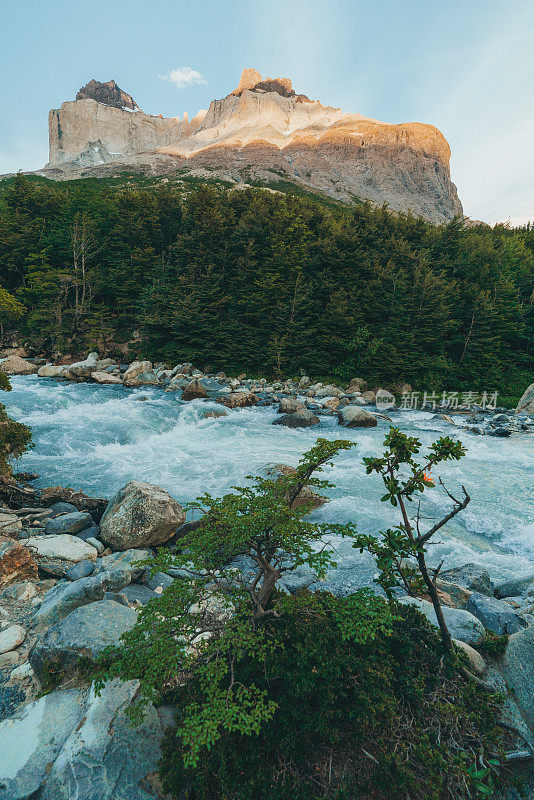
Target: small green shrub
[493, 645]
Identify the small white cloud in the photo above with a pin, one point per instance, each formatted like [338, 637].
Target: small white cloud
[184, 76]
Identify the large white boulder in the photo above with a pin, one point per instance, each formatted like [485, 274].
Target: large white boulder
[135, 369]
[105, 377]
[51, 371]
[140, 515]
[355, 417]
[55, 554]
[83, 369]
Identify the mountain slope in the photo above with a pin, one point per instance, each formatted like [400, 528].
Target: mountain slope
[261, 132]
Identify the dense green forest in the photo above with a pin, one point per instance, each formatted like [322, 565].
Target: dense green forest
[266, 282]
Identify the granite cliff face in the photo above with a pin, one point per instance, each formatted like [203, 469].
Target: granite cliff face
[263, 132]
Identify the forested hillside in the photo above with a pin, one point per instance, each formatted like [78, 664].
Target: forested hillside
[266, 283]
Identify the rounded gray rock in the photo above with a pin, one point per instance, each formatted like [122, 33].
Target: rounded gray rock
[72, 523]
[356, 417]
[140, 515]
[84, 633]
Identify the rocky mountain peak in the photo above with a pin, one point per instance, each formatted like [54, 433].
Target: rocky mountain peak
[249, 78]
[252, 81]
[107, 93]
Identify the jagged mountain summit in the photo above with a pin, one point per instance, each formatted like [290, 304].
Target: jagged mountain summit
[109, 94]
[263, 132]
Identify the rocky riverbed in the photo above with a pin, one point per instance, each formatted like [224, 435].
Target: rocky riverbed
[299, 402]
[71, 572]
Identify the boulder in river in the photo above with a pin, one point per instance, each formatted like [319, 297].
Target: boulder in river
[213, 411]
[303, 418]
[140, 515]
[106, 377]
[83, 369]
[135, 369]
[355, 417]
[239, 400]
[328, 391]
[290, 405]
[15, 365]
[148, 378]
[50, 371]
[84, 633]
[194, 390]
[369, 396]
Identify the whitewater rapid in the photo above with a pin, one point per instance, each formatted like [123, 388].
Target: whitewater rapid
[97, 438]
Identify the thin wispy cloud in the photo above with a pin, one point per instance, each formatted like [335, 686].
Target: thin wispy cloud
[184, 77]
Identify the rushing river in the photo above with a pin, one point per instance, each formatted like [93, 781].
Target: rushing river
[97, 438]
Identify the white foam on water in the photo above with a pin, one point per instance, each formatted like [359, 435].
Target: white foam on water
[96, 438]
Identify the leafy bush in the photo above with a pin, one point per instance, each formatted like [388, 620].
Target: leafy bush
[405, 478]
[378, 716]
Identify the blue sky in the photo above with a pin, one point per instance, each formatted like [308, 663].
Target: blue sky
[466, 66]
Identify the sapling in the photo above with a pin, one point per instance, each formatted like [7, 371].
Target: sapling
[405, 479]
